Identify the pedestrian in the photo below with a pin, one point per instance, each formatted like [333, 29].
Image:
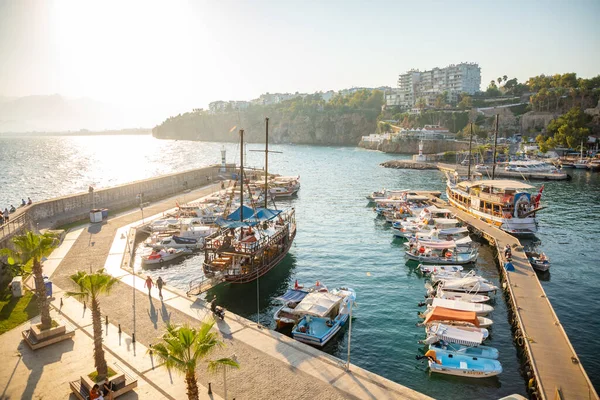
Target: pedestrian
[148, 284]
[159, 285]
[23, 203]
[6, 215]
[29, 202]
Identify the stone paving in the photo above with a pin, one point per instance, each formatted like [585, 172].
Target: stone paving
[273, 366]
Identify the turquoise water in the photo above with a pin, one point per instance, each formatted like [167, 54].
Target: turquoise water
[341, 243]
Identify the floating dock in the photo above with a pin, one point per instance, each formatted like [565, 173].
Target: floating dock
[551, 365]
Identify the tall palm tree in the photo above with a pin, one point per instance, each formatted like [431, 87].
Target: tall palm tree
[499, 80]
[92, 286]
[505, 78]
[183, 347]
[30, 248]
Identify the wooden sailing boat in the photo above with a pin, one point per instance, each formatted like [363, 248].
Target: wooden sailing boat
[251, 241]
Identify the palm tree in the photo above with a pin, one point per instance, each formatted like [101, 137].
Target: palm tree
[183, 347]
[505, 78]
[92, 286]
[30, 248]
[499, 80]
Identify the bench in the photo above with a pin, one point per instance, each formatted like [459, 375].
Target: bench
[125, 383]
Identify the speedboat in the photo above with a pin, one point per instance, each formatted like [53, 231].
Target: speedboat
[478, 351]
[163, 256]
[462, 365]
[324, 314]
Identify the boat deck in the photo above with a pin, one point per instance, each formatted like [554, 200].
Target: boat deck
[554, 362]
[501, 172]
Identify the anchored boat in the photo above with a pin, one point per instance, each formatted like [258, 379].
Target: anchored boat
[462, 365]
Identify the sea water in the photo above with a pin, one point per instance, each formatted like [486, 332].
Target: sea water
[341, 243]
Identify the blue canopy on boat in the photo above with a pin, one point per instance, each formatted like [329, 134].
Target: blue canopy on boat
[234, 224]
[235, 216]
[262, 214]
[293, 295]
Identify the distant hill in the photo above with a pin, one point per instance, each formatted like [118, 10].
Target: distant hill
[56, 113]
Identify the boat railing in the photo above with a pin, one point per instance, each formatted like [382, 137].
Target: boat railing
[491, 197]
[199, 286]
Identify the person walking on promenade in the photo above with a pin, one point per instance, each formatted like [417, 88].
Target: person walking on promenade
[29, 202]
[148, 284]
[159, 285]
[6, 215]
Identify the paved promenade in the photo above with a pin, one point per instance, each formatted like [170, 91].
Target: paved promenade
[273, 366]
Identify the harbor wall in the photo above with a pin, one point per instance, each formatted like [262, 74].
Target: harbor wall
[411, 146]
[72, 208]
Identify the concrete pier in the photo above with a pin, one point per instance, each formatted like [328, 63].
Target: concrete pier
[555, 369]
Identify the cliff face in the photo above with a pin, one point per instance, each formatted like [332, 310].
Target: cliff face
[324, 128]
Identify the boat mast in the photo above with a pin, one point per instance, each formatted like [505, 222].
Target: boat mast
[267, 162]
[495, 143]
[241, 175]
[470, 142]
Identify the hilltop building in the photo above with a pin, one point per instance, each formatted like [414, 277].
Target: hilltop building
[453, 79]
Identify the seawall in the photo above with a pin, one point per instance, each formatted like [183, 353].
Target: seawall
[411, 146]
[67, 209]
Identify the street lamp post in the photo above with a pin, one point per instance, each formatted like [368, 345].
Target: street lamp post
[234, 358]
[140, 196]
[349, 337]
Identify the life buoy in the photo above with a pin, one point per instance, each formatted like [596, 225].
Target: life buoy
[238, 247]
[217, 243]
[161, 261]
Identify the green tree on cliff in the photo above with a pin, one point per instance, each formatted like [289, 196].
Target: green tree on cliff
[567, 130]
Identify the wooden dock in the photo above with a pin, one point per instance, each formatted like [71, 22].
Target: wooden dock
[551, 360]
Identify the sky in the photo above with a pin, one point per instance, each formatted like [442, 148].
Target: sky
[165, 57]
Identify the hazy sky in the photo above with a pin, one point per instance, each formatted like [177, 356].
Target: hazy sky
[167, 57]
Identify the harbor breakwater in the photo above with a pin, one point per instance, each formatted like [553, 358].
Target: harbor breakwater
[72, 208]
[411, 146]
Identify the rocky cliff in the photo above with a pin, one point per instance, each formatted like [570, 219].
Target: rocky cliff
[322, 128]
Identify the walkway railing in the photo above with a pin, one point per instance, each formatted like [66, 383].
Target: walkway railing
[13, 226]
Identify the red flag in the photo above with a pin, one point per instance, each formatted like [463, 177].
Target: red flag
[296, 286]
[538, 197]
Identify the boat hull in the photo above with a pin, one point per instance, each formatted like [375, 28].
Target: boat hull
[316, 339]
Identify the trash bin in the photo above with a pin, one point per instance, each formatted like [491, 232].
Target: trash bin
[48, 284]
[16, 285]
[104, 213]
[95, 216]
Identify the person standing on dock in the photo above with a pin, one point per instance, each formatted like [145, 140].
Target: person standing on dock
[159, 285]
[148, 284]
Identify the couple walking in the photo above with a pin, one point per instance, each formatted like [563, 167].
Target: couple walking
[159, 284]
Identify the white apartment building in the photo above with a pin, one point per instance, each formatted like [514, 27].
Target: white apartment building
[454, 79]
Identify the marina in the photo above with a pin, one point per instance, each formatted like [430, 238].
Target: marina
[369, 328]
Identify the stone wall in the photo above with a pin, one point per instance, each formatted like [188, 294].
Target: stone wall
[411, 146]
[76, 207]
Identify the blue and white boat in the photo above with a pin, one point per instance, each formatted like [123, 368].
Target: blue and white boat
[458, 349]
[324, 314]
[456, 364]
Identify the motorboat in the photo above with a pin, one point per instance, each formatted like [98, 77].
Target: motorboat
[539, 261]
[454, 317]
[478, 351]
[175, 242]
[500, 202]
[461, 365]
[446, 276]
[469, 285]
[432, 269]
[386, 194]
[163, 256]
[285, 316]
[164, 225]
[479, 309]
[462, 242]
[323, 315]
[465, 335]
[443, 234]
[441, 253]
[468, 297]
[531, 167]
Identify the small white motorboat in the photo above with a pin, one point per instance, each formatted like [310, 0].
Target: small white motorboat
[467, 336]
[163, 256]
[454, 317]
[469, 285]
[469, 297]
[434, 269]
[479, 351]
[175, 242]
